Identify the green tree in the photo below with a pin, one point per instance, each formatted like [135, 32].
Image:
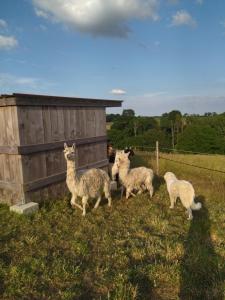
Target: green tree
[201, 138]
[128, 113]
[175, 118]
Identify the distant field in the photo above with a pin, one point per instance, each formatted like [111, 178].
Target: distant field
[139, 249]
[209, 161]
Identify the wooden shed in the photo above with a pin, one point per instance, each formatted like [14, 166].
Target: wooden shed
[33, 129]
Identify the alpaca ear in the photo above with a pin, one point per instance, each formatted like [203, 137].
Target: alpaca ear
[65, 146]
[127, 154]
[74, 146]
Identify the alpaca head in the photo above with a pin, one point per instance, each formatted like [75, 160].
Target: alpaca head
[70, 152]
[121, 159]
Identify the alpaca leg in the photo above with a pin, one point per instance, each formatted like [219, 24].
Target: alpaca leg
[97, 202]
[84, 202]
[150, 188]
[190, 216]
[108, 196]
[172, 201]
[128, 192]
[107, 193]
[109, 201]
[122, 191]
[151, 191]
[74, 203]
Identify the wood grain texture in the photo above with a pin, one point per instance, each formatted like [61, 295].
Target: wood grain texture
[32, 136]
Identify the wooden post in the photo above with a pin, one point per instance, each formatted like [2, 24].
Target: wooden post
[157, 157]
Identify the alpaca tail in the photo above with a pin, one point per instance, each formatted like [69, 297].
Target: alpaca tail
[196, 206]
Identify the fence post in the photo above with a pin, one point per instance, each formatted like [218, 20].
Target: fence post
[157, 157]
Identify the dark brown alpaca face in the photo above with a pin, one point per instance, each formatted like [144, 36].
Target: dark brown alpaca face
[69, 153]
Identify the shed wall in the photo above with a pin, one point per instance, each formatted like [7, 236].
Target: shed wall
[32, 164]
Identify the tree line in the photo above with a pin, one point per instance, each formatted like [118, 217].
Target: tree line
[197, 133]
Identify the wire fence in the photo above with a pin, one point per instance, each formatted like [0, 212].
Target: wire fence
[191, 165]
[156, 151]
[170, 150]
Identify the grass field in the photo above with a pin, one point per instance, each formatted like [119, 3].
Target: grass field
[138, 249]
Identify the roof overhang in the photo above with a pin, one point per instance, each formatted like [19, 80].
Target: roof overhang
[17, 99]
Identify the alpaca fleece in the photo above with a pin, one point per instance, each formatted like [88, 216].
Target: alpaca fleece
[138, 179]
[91, 184]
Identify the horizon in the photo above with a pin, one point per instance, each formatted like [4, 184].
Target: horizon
[156, 56]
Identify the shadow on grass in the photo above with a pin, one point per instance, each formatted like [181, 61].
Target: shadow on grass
[201, 277]
[138, 278]
[157, 182]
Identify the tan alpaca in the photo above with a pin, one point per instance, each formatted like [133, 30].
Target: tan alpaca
[182, 189]
[138, 179]
[91, 184]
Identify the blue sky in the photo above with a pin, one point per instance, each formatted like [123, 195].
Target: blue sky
[155, 55]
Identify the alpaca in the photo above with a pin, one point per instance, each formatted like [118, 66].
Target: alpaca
[91, 184]
[138, 179]
[184, 190]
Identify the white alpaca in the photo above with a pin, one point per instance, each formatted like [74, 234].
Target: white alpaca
[182, 189]
[138, 179]
[91, 184]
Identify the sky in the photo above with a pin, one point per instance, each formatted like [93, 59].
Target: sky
[155, 55]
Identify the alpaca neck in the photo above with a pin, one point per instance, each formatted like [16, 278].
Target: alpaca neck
[71, 174]
[123, 172]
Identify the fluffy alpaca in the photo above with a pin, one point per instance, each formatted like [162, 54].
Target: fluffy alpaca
[182, 189]
[138, 179]
[91, 184]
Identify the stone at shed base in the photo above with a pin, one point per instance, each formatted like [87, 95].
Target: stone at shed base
[25, 209]
[113, 185]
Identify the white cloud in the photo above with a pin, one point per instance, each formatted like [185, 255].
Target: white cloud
[3, 24]
[41, 13]
[182, 18]
[98, 17]
[118, 92]
[154, 94]
[7, 42]
[11, 81]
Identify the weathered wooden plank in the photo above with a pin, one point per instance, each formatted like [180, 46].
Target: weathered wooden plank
[42, 100]
[43, 182]
[73, 123]
[66, 119]
[30, 125]
[46, 115]
[3, 136]
[29, 149]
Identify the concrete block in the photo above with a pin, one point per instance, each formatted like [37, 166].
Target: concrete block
[113, 185]
[25, 209]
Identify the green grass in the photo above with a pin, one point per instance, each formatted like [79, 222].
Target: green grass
[138, 249]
